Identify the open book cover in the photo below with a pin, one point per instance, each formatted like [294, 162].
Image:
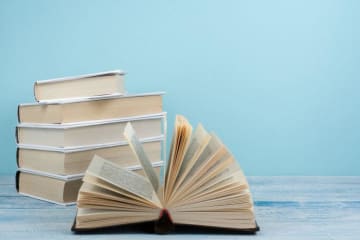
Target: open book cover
[203, 187]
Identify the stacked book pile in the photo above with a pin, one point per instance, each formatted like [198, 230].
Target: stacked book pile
[75, 119]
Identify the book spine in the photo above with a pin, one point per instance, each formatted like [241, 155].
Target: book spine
[17, 157]
[165, 223]
[17, 175]
[18, 114]
[34, 90]
[17, 134]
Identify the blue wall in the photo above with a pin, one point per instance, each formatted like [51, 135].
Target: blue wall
[278, 81]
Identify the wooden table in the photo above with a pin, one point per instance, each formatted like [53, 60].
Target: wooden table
[286, 208]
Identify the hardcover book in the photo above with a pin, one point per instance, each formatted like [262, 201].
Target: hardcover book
[80, 110]
[64, 161]
[203, 186]
[82, 86]
[59, 189]
[72, 135]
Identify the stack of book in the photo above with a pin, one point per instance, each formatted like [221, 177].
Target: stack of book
[73, 120]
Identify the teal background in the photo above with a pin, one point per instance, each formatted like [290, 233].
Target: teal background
[278, 81]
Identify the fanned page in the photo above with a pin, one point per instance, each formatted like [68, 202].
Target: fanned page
[140, 154]
[180, 142]
[111, 195]
[205, 185]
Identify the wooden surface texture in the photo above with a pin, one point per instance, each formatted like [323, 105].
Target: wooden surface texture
[286, 208]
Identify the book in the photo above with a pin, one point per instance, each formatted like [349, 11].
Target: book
[58, 189]
[71, 161]
[203, 186]
[89, 133]
[83, 86]
[102, 108]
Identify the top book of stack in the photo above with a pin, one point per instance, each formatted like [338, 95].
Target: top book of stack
[90, 97]
[88, 86]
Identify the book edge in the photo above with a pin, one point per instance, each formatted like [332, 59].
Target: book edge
[91, 123]
[81, 76]
[79, 175]
[175, 228]
[18, 113]
[17, 176]
[17, 156]
[94, 98]
[47, 200]
[17, 135]
[159, 138]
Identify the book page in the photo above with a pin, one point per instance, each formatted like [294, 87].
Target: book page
[198, 142]
[214, 180]
[180, 142]
[218, 163]
[228, 185]
[89, 194]
[140, 154]
[208, 151]
[122, 179]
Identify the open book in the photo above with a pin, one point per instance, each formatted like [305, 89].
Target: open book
[203, 186]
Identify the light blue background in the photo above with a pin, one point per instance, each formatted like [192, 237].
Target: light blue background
[278, 81]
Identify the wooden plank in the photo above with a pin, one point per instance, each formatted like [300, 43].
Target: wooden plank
[292, 221]
[267, 189]
[305, 188]
[273, 188]
[24, 202]
[286, 208]
[310, 219]
[10, 179]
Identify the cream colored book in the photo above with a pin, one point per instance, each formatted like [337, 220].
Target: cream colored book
[109, 83]
[203, 187]
[71, 135]
[102, 108]
[58, 189]
[51, 188]
[62, 161]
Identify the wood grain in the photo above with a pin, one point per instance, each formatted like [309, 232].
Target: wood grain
[286, 208]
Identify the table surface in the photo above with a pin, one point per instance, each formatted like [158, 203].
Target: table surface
[285, 207]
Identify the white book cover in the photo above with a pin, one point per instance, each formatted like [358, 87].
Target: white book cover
[86, 147]
[91, 98]
[91, 123]
[80, 147]
[80, 175]
[78, 78]
[82, 76]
